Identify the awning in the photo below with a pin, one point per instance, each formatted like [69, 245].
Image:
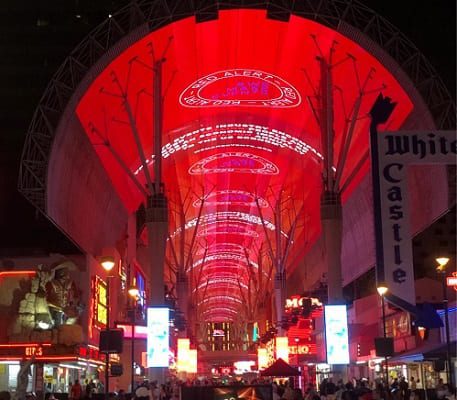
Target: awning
[428, 352]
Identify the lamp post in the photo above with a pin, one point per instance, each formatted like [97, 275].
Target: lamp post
[107, 263]
[133, 292]
[441, 269]
[296, 349]
[382, 290]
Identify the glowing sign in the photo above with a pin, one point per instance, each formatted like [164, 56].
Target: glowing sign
[451, 281]
[158, 337]
[336, 334]
[240, 87]
[99, 303]
[235, 162]
[33, 351]
[282, 348]
[262, 358]
[183, 354]
[297, 301]
[299, 349]
[192, 361]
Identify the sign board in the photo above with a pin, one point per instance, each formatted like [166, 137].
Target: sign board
[451, 281]
[393, 152]
[336, 334]
[158, 337]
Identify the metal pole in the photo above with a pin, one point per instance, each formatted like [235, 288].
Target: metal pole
[385, 336]
[450, 377]
[109, 341]
[132, 383]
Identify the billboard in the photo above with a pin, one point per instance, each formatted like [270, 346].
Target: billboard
[336, 334]
[158, 337]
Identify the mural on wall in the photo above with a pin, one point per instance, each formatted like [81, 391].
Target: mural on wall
[50, 309]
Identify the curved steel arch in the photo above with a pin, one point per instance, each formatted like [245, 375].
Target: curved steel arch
[141, 17]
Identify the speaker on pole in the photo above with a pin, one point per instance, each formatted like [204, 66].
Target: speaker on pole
[111, 341]
[384, 347]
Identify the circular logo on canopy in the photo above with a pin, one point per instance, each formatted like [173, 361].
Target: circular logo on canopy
[240, 87]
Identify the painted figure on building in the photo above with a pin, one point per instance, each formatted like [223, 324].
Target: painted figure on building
[63, 298]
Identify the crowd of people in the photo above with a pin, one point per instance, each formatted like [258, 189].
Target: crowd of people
[362, 389]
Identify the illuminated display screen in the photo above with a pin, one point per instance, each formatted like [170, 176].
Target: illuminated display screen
[336, 334]
[237, 124]
[158, 337]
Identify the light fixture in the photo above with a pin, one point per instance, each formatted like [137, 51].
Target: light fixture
[107, 262]
[442, 262]
[382, 289]
[133, 291]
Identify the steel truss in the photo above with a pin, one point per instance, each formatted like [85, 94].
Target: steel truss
[341, 15]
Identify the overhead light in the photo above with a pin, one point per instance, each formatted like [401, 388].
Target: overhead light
[107, 262]
[382, 290]
[442, 262]
[78, 16]
[133, 291]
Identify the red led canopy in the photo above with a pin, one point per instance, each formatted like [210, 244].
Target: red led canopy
[237, 126]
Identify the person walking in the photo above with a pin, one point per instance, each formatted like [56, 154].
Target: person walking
[76, 391]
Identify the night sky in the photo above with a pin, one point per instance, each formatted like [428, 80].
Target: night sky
[30, 54]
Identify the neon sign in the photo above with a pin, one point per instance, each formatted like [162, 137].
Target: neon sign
[99, 304]
[237, 162]
[33, 351]
[240, 87]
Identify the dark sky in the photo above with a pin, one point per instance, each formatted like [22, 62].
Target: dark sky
[31, 54]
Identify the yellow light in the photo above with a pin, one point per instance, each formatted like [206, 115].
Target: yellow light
[182, 364]
[192, 362]
[107, 262]
[133, 291]
[442, 262]
[262, 358]
[382, 290]
[282, 348]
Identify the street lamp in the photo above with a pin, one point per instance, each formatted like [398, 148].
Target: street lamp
[133, 292]
[382, 290]
[107, 262]
[441, 269]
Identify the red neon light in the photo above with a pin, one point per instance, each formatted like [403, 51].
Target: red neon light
[5, 274]
[26, 345]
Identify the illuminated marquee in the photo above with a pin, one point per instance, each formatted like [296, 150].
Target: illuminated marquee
[240, 87]
[234, 162]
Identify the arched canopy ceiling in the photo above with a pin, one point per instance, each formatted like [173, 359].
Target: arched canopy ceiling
[242, 152]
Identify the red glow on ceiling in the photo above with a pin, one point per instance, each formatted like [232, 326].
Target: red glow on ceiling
[237, 123]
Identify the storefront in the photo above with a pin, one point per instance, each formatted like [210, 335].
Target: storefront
[46, 367]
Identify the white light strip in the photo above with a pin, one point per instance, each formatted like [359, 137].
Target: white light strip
[220, 298]
[70, 366]
[232, 133]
